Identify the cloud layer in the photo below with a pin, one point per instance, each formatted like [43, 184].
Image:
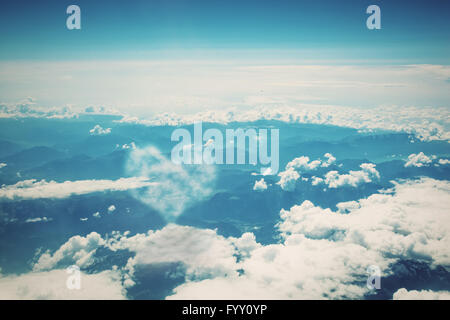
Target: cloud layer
[322, 254]
[33, 189]
[51, 285]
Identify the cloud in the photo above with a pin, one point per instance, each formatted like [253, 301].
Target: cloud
[284, 92]
[2, 165]
[33, 189]
[177, 187]
[299, 165]
[425, 123]
[77, 250]
[203, 252]
[288, 179]
[260, 185]
[322, 254]
[303, 163]
[354, 178]
[421, 160]
[316, 181]
[330, 160]
[99, 131]
[412, 222]
[51, 285]
[28, 109]
[403, 294]
[43, 219]
[418, 160]
[111, 208]
[333, 179]
[126, 146]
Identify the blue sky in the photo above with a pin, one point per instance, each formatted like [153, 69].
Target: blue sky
[412, 31]
[146, 57]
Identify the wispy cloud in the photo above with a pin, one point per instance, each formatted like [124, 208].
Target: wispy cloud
[33, 189]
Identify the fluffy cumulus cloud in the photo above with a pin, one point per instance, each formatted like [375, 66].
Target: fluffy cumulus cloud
[418, 160]
[111, 208]
[322, 254]
[412, 222]
[77, 250]
[260, 185]
[403, 294]
[2, 165]
[32, 189]
[367, 174]
[204, 253]
[288, 179]
[332, 179]
[303, 163]
[52, 285]
[177, 187]
[294, 168]
[97, 130]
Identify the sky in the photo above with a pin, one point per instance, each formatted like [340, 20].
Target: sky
[363, 119]
[184, 55]
[411, 30]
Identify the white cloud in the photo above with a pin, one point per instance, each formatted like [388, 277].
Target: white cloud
[413, 222]
[330, 160]
[111, 208]
[39, 219]
[33, 189]
[303, 164]
[403, 294]
[260, 185]
[96, 214]
[425, 123]
[288, 179]
[333, 179]
[444, 162]
[203, 252]
[354, 178]
[2, 165]
[77, 250]
[324, 253]
[282, 92]
[51, 285]
[299, 165]
[177, 187]
[99, 131]
[316, 181]
[418, 160]
[28, 109]
[126, 146]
